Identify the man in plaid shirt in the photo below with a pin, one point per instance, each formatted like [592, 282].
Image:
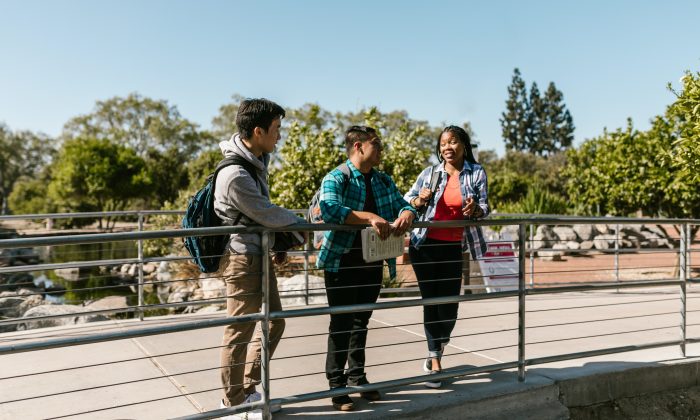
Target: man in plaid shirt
[366, 196]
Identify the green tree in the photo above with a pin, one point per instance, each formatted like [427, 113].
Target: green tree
[22, 154]
[512, 176]
[538, 200]
[655, 171]
[97, 175]
[407, 148]
[618, 173]
[535, 120]
[29, 195]
[155, 130]
[514, 121]
[306, 156]
[141, 123]
[683, 117]
[168, 175]
[537, 123]
[556, 123]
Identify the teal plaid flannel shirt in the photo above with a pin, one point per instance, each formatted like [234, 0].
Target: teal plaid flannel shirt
[337, 201]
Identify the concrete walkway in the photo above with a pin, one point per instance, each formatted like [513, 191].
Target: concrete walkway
[176, 374]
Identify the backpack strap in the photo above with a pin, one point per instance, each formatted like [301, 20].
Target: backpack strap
[240, 161]
[345, 170]
[435, 176]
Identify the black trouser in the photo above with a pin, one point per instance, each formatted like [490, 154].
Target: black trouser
[356, 282]
[438, 268]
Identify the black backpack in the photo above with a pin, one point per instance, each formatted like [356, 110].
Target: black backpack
[206, 251]
[313, 215]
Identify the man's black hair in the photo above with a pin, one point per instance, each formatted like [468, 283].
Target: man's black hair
[358, 133]
[256, 113]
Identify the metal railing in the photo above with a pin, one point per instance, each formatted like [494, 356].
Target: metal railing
[521, 292]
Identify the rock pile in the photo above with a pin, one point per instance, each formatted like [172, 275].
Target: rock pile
[552, 242]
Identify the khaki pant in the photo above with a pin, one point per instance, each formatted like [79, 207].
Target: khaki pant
[241, 351]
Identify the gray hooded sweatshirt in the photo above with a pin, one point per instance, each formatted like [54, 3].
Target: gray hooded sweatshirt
[236, 191]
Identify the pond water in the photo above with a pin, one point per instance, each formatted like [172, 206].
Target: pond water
[76, 286]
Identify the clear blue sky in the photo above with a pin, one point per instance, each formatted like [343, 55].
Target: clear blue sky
[442, 61]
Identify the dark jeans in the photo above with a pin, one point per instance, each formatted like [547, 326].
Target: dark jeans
[356, 282]
[438, 268]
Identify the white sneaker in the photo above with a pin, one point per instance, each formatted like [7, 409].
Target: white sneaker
[433, 383]
[248, 415]
[255, 397]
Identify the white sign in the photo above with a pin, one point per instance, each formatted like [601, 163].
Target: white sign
[499, 267]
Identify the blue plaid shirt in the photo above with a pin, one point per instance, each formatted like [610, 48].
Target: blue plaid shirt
[338, 200]
[472, 181]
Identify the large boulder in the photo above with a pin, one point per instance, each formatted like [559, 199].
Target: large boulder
[133, 270]
[212, 287]
[106, 303]
[29, 303]
[9, 306]
[180, 294]
[52, 310]
[573, 245]
[651, 240]
[585, 232]
[561, 247]
[654, 229]
[509, 233]
[605, 241]
[602, 228]
[565, 233]
[292, 290]
[150, 268]
[631, 228]
[544, 237]
[163, 272]
[632, 233]
[15, 304]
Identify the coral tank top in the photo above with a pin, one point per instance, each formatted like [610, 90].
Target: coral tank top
[449, 207]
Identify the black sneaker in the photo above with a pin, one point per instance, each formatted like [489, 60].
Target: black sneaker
[343, 403]
[435, 383]
[368, 395]
[371, 395]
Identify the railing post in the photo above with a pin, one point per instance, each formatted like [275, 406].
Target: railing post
[617, 253]
[265, 309]
[307, 250]
[532, 256]
[683, 267]
[140, 271]
[521, 302]
[689, 248]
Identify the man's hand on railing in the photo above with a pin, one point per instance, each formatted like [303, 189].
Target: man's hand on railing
[402, 223]
[380, 225]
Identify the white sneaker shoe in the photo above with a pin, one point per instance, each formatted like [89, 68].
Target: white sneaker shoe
[248, 415]
[255, 397]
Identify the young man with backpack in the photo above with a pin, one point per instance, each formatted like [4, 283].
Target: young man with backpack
[243, 197]
[366, 196]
